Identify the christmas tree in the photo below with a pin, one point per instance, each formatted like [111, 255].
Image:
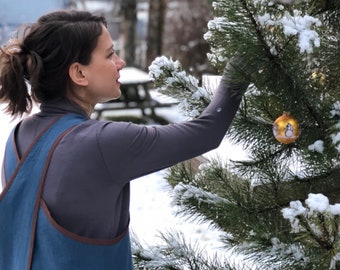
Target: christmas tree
[280, 207]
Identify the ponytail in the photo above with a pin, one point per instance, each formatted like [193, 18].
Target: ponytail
[43, 57]
[13, 76]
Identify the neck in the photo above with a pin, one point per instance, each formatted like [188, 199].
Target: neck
[80, 101]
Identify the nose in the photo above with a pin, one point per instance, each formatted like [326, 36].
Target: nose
[120, 62]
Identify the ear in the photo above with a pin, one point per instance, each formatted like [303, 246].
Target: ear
[77, 74]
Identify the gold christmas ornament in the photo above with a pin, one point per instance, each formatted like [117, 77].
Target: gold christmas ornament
[286, 128]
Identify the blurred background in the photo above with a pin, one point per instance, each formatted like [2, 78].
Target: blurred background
[141, 29]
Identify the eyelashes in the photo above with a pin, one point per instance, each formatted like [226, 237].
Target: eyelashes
[113, 52]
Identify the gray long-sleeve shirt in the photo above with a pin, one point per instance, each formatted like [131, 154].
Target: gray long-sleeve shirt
[87, 186]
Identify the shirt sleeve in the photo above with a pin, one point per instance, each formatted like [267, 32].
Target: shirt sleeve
[131, 150]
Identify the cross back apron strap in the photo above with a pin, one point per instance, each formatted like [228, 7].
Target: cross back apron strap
[28, 238]
[21, 196]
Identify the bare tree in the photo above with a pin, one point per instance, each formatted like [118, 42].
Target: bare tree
[185, 24]
[157, 10]
[129, 21]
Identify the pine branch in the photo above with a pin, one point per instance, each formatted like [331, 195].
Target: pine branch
[176, 253]
[296, 90]
[258, 31]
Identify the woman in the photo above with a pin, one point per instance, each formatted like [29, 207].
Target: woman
[65, 204]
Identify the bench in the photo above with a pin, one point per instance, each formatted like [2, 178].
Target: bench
[136, 94]
[156, 100]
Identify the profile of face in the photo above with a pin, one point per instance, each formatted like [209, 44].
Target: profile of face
[100, 78]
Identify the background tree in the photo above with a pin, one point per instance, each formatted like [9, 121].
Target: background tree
[157, 9]
[175, 28]
[281, 206]
[186, 22]
[129, 22]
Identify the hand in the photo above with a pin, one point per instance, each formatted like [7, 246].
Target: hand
[237, 74]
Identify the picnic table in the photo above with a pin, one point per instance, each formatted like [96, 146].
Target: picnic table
[137, 93]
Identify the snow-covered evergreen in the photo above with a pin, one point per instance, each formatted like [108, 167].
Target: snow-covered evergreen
[280, 207]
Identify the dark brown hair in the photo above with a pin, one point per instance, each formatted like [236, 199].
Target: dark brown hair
[43, 55]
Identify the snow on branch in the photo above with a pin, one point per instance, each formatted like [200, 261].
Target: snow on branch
[171, 79]
[318, 218]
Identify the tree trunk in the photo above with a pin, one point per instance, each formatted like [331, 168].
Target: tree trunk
[129, 14]
[155, 29]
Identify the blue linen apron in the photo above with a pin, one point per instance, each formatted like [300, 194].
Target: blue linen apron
[29, 237]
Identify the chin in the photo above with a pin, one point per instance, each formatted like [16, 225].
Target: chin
[117, 95]
[112, 97]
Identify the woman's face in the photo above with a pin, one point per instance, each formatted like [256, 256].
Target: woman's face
[103, 71]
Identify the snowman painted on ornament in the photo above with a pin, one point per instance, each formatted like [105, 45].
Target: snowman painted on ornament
[289, 131]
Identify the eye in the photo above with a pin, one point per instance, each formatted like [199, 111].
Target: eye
[111, 53]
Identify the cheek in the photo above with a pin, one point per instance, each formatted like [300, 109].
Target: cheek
[109, 70]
